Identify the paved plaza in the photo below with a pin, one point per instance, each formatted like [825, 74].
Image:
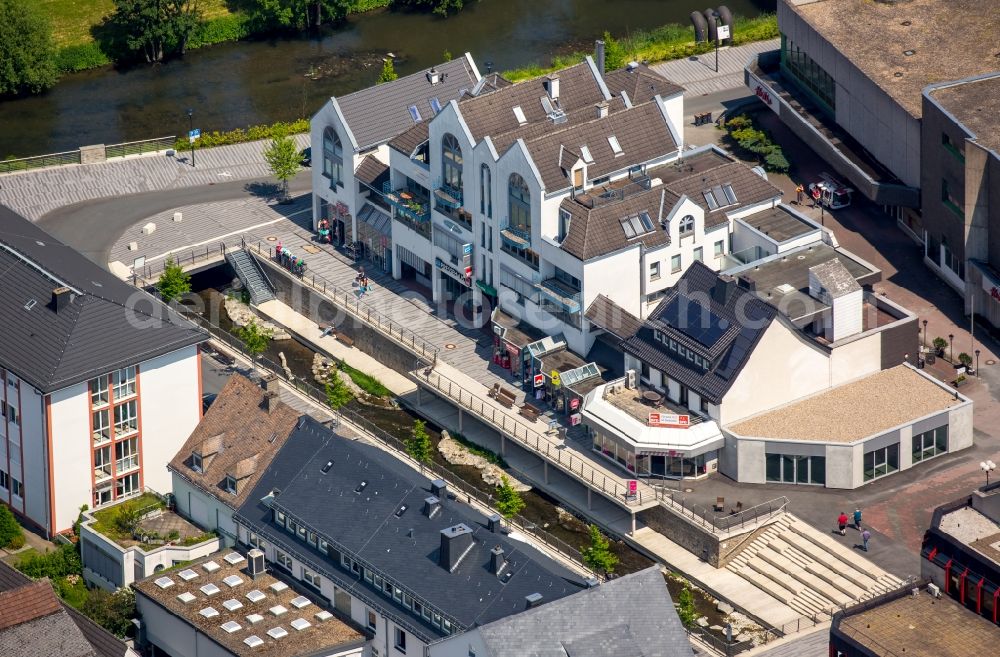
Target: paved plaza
[698, 76]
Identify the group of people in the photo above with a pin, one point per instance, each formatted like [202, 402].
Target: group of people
[324, 230]
[290, 262]
[842, 521]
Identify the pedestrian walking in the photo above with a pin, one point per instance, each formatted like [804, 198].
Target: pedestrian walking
[842, 523]
[857, 519]
[799, 189]
[865, 537]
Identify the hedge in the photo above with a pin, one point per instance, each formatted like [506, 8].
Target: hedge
[220, 30]
[241, 135]
[746, 135]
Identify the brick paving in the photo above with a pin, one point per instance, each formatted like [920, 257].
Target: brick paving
[698, 75]
[37, 192]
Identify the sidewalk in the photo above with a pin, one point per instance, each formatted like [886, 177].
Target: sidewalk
[698, 76]
[39, 191]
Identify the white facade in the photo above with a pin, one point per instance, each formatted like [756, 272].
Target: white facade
[63, 451]
[335, 189]
[204, 510]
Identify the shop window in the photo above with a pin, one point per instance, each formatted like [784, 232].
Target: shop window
[930, 443]
[794, 469]
[880, 462]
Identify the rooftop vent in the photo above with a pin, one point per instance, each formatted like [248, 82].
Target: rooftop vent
[30, 303]
[271, 401]
[631, 66]
[533, 600]
[360, 487]
[497, 560]
[433, 76]
[401, 510]
[61, 297]
[326, 467]
[602, 109]
[432, 505]
[456, 542]
[909, 53]
[552, 85]
[439, 488]
[255, 567]
[494, 522]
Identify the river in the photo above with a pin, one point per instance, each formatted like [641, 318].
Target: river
[239, 84]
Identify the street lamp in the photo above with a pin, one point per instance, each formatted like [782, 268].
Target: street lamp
[987, 467]
[951, 347]
[717, 16]
[977, 363]
[925, 333]
[190, 114]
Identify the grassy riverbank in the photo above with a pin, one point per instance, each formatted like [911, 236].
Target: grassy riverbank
[671, 41]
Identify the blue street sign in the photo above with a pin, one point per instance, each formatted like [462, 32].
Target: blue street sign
[194, 134]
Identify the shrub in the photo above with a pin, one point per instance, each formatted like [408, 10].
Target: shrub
[11, 534]
[366, 382]
[112, 611]
[360, 6]
[64, 560]
[939, 343]
[241, 135]
[81, 57]
[232, 27]
[685, 606]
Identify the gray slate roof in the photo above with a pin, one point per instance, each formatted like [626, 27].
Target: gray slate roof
[745, 319]
[380, 112]
[608, 315]
[835, 278]
[632, 616]
[108, 324]
[365, 526]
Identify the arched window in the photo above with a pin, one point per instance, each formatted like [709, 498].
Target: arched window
[333, 157]
[519, 198]
[451, 162]
[686, 226]
[485, 191]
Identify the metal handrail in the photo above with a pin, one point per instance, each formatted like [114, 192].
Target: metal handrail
[530, 438]
[138, 147]
[349, 302]
[38, 161]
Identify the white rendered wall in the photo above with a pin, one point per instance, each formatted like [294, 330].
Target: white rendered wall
[856, 359]
[460, 645]
[72, 453]
[846, 315]
[169, 410]
[217, 515]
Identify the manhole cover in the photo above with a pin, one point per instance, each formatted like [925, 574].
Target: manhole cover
[991, 362]
[688, 490]
[309, 248]
[449, 346]
[272, 238]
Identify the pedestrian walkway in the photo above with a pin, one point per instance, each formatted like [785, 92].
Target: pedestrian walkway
[698, 76]
[39, 191]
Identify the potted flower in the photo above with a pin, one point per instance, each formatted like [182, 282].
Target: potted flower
[961, 381]
[939, 345]
[965, 360]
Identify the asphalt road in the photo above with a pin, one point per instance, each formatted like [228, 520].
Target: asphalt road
[93, 227]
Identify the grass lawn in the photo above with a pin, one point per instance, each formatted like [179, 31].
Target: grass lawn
[72, 19]
[104, 520]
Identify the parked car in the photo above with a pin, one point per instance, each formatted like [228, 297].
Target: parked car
[305, 156]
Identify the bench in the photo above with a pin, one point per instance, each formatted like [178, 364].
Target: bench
[506, 398]
[530, 412]
[345, 340]
[494, 391]
[225, 359]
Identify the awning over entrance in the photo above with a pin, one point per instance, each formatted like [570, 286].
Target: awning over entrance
[378, 219]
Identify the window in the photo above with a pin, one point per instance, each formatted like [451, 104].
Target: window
[720, 248]
[654, 271]
[675, 263]
[930, 443]
[399, 640]
[312, 539]
[196, 463]
[566, 278]
[230, 485]
[283, 560]
[615, 146]
[99, 390]
[564, 221]
[435, 104]
[126, 419]
[4, 480]
[519, 204]
[333, 157]
[808, 73]
[882, 461]
[127, 454]
[489, 241]
[291, 526]
[485, 191]
[102, 496]
[101, 422]
[636, 225]
[699, 254]
[279, 517]
[686, 226]
[950, 201]
[16, 488]
[713, 203]
[311, 578]
[792, 469]
[372, 620]
[127, 485]
[124, 383]
[9, 412]
[949, 146]
[451, 162]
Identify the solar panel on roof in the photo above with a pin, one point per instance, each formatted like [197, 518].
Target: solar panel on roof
[695, 320]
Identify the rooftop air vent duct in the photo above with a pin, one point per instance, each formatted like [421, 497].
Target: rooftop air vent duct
[432, 506]
[497, 560]
[456, 542]
[255, 563]
[61, 297]
[439, 489]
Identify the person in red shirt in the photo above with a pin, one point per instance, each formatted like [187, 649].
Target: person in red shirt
[842, 523]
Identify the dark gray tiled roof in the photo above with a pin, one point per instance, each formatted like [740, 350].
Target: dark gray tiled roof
[750, 189]
[641, 132]
[608, 315]
[641, 84]
[380, 112]
[371, 170]
[103, 327]
[594, 232]
[407, 141]
[744, 317]
[365, 525]
[632, 615]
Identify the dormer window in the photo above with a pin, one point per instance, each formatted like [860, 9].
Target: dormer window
[230, 485]
[196, 462]
[686, 225]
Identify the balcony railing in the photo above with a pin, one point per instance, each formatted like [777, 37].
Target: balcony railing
[102, 473]
[515, 238]
[411, 205]
[559, 294]
[448, 196]
[127, 463]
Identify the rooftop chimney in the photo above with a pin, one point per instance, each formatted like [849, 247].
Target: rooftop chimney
[432, 506]
[270, 383]
[602, 109]
[439, 489]
[60, 298]
[599, 52]
[533, 600]
[722, 289]
[552, 84]
[456, 541]
[433, 76]
[271, 401]
[494, 522]
[497, 560]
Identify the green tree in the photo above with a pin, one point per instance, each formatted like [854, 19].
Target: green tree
[965, 359]
[337, 392]
[615, 56]
[388, 73]
[442, 8]
[11, 534]
[112, 611]
[297, 14]
[255, 339]
[598, 555]
[174, 281]
[283, 159]
[418, 445]
[509, 501]
[156, 28]
[685, 606]
[27, 53]
[446, 55]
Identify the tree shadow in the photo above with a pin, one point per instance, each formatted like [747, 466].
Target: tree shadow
[265, 190]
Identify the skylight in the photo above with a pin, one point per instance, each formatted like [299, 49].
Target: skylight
[278, 610]
[253, 641]
[210, 589]
[587, 157]
[300, 602]
[253, 619]
[186, 597]
[519, 115]
[164, 582]
[187, 574]
[720, 196]
[401, 510]
[233, 558]
[636, 225]
[300, 624]
[615, 146]
[233, 581]
[231, 626]
[415, 114]
[326, 467]
[232, 605]
[324, 616]
[209, 612]
[255, 596]
[277, 632]
[710, 199]
[435, 105]
[278, 587]
[360, 487]
[210, 566]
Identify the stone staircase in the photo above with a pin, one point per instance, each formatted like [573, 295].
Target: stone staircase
[808, 571]
[254, 279]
